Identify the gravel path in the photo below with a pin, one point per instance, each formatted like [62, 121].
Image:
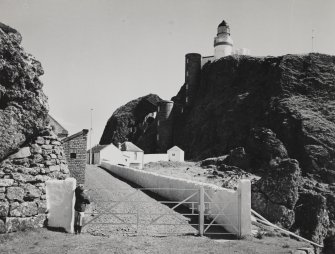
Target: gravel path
[129, 218]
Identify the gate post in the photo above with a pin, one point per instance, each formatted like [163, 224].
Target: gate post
[201, 210]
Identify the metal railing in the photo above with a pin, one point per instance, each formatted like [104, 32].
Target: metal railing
[202, 213]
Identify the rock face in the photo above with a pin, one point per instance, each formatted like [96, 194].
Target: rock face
[30, 153]
[131, 122]
[23, 105]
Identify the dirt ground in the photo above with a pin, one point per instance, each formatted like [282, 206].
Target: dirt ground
[46, 241]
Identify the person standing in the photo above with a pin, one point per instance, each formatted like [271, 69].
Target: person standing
[82, 200]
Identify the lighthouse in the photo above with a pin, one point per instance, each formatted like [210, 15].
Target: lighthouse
[223, 43]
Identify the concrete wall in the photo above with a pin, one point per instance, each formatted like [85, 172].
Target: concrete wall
[135, 159]
[60, 203]
[155, 157]
[233, 203]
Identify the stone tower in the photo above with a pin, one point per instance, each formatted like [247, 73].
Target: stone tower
[192, 76]
[223, 43]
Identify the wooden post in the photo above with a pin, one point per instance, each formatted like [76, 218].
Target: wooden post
[201, 210]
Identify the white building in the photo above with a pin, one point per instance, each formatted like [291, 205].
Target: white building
[223, 43]
[175, 154]
[107, 153]
[134, 154]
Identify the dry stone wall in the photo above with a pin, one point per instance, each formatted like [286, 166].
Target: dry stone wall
[22, 182]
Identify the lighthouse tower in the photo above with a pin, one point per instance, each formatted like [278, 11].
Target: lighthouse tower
[223, 43]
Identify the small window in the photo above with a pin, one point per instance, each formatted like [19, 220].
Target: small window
[157, 137]
[186, 86]
[135, 156]
[158, 123]
[186, 73]
[173, 154]
[158, 109]
[73, 155]
[186, 99]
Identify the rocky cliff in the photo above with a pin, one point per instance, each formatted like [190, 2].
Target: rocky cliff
[30, 153]
[280, 111]
[133, 122]
[23, 105]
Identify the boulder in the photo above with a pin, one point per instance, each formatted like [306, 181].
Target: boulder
[23, 105]
[4, 209]
[6, 182]
[31, 191]
[35, 149]
[276, 193]
[312, 219]
[15, 193]
[24, 152]
[2, 227]
[25, 209]
[264, 147]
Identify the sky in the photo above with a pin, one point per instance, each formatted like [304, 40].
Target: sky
[100, 54]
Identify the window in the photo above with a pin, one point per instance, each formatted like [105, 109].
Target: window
[158, 109]
[186, 73]
[135, 156]
[173, 154]
[73, 153]
[158, 123]
[157, 137]
[186, 86]
[186, 99]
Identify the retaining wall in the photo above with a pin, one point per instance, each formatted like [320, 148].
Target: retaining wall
[235, 204]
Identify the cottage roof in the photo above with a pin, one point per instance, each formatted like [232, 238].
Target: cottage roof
[97, 148]
[128, 146]
[175, 148]
[83, 132]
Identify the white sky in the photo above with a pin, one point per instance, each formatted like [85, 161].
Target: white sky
[101, 54]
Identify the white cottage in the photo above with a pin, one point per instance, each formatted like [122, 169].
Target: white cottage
[135, 154]
[175, 154]
[107, 153]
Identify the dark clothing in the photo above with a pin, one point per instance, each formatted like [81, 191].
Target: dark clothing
[81, 200]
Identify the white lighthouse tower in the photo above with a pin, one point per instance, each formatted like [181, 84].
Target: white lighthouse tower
[223, 43]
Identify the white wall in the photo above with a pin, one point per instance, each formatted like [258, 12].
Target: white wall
[60, 203]
[176, 155]
[233, 203]
[222, 51]
[113, 154]
[155, 157]
[134, 158]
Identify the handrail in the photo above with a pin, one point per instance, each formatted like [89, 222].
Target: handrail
[268, 223]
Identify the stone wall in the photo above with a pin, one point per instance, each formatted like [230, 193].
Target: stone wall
[22, 182]
[75, 147]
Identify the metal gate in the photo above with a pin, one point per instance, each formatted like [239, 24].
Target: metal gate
[196, 214]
